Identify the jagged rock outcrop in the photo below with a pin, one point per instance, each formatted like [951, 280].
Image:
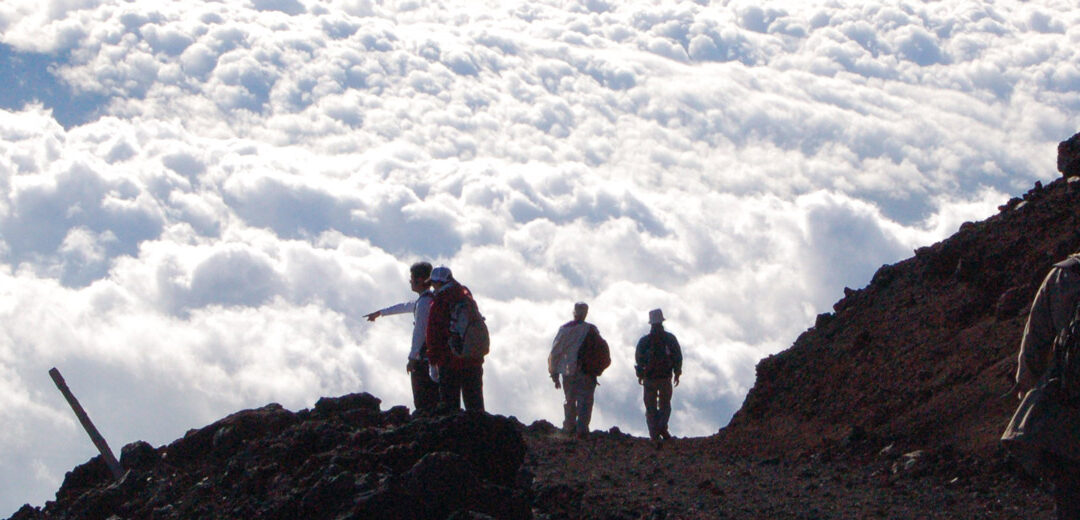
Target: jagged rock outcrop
[343, 459]
[923, 354]
[1068, 161]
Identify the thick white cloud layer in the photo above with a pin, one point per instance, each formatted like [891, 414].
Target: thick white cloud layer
[253, 177]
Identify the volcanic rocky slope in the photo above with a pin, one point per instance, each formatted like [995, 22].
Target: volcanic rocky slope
[343, 459]
[922, 356]
[890, 407]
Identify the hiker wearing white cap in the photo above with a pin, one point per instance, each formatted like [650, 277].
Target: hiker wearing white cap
[461, 378]
[658, 358]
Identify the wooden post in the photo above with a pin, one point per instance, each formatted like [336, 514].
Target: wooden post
[99, 441]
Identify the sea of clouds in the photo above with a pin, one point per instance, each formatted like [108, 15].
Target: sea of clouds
[199, 201]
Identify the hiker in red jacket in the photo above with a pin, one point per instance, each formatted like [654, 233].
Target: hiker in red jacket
[460, 379]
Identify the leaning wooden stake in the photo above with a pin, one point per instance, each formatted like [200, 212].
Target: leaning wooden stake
[99, 441]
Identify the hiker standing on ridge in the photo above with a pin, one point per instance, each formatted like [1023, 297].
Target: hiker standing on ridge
[425, 391]
[579, 355]
[460, 378]
[657, 358]
[1044, 433]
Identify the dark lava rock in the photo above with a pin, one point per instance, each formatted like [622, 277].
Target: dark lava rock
[344, 459]
[1068, 160]
[139, 455]
[923, 354]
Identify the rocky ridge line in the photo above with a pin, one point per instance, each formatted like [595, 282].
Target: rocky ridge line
[921, 356]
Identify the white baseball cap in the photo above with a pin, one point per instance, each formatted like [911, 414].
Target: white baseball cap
[440, 274]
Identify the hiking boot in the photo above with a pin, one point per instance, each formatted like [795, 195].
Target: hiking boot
[665, 435]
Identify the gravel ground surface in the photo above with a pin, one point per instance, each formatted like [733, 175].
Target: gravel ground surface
[621, 477]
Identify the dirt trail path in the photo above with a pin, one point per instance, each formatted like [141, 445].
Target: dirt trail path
[622, 477]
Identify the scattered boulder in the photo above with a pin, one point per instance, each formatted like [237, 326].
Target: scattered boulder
[1068, 158]
[560, 499]
[28, 512]
[541, 427]
[228, 435]
[913, 463]
[1013, 302]
[140, 456]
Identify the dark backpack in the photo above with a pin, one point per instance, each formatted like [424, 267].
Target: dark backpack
[1064, 371]
[594, 356]
[660, 362]
[468, 330]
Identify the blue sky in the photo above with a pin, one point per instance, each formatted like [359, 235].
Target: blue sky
[199, 201]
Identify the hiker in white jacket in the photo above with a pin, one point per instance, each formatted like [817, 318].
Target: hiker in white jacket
[425, 391]
[578, 387]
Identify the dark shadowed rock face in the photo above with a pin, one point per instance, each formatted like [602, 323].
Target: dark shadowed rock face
[922, 355]
[1068, 162]
[343, 459]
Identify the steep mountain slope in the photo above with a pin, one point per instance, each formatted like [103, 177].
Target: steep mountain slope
[924, 353]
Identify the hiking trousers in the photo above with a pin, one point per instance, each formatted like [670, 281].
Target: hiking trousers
[457, 384]
[657, 405]
[425, 392]
[577, 408]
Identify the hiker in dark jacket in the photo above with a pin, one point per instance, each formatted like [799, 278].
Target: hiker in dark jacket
[425, 391]
[564, 360]
[1044, 434]
[658, 358]
[460, 379]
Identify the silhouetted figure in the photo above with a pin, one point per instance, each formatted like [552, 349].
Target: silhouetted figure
[460, 378]
[1044, 433]
[658, 358]
[425, 391]
[575, 338]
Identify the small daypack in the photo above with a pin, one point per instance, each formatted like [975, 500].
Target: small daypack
[594, 356]
[468, 331]
[660, 362]
[1064, 371]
